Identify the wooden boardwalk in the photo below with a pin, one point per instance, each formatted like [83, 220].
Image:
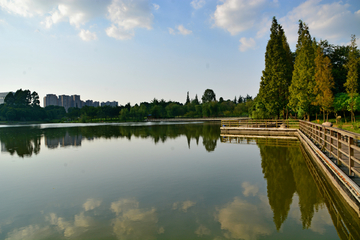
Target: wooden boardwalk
[336, 151]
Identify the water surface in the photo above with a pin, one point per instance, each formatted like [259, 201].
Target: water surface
[154, 181]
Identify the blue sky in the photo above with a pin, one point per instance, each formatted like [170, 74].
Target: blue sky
[135, 50]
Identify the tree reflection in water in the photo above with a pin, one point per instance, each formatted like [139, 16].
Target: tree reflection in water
[286, 173]
[24, 141]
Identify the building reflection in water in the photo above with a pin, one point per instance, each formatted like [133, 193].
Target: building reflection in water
[65, 141]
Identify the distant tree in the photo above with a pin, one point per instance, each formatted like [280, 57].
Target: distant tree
[195, 101]
[235, 100]
[221, 99]
[187, 98]
[208, 96]
[303, 79]
[240, 99]
[35, 99]
[324, 82]
[10, 99]
[22, 97]
[352, 77]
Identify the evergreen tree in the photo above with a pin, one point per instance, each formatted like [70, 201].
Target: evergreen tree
[352, 77]
[303, 79]
[324, 82]
[276, 78]
[235, 100]
[196, 100]
[187, 98]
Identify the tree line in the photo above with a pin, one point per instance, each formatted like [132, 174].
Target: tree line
[317, 78]
[23, 105]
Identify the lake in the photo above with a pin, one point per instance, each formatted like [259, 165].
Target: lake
[155, 181]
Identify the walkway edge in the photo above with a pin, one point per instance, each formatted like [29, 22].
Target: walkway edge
[323, 161]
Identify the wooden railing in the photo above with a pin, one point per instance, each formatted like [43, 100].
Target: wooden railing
[260, 123]
[340, 144]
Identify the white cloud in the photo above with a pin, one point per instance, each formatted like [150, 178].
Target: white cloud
[91, 204]
[181, 30]
[29, 232]
[171, 31]
[86, 35]
[183, 206]
[80, 225]
[76, 13]
[246, 44]
[326, 21]
[202, 230]
[119, 33]
[243, 220]
[156, 7]
[126, 15]
[131, 222]
[238, 15]
[249, 189]
[25, 8]
[197, 4]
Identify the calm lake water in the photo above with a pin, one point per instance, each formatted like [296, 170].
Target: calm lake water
[154, 181]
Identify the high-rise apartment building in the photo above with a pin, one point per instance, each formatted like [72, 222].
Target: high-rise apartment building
[51, 99]
[67, 101]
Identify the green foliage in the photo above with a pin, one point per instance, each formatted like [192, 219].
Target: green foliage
[303, 80]
[351, 83]
[324, 82]
[276, 78]
[208, 96]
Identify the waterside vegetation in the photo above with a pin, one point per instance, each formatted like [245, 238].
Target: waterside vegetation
[317, 78]
[26, 108]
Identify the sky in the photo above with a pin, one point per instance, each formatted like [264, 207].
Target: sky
[137, 50]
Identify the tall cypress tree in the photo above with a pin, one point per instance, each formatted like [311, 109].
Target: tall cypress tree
[324, 82]
[303, 79]
[352, 76]
[276, 78]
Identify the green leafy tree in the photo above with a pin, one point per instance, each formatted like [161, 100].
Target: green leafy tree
[351, 83]
[324, 82]
[303, 79]
[9, 99]
[276, 78]
[35, 99]
[208, 96]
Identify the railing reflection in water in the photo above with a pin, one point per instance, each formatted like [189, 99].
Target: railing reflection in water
[300, 174]
[345, 220]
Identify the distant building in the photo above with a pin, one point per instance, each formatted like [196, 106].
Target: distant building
[76, 101]
[89, 103]
[111, 104]
[67, 101]
[51, 99]
[2, 97]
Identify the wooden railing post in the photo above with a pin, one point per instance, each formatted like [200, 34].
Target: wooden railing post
[338, 147]
[331, 142]
[351, 154]
[324, 137]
